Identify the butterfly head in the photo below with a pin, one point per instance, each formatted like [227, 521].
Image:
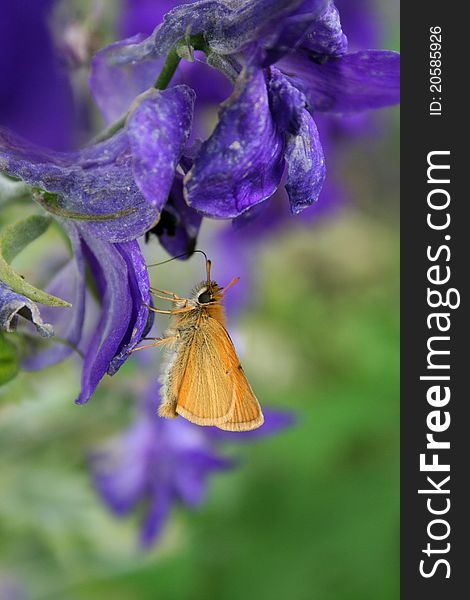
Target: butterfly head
[207, 292]
[210, 292]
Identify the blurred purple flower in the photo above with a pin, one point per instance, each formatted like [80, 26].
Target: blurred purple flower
[35, 96]
[163, 463]
[266, 126]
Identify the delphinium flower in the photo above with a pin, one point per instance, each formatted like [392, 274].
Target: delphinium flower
[237, 243]
[94, 196]
[287, 60]
[161, 463]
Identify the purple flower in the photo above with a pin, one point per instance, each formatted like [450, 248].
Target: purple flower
[35, 96]
[178, 226]
[96, 189]
[98, 193]
[149, 175]
[121, 184]
[266, 127]
[163, 463]
[107, 182]
[122, 285]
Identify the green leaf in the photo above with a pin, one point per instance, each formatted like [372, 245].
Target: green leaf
[8, 360]
[12, 241]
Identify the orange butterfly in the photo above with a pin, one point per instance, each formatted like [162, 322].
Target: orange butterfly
[203, 380]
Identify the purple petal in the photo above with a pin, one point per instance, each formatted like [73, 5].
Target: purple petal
[304, 154]
[354, 82]
[157, 515]
[310, 22]
[13, 305]
[306, 169]
[190, 478]
[68, 324]
[179, 224]
[120, 469]
[35, 94]
[141, 318]
[114, 87]
[95, 181]
[227, 28]
[326, 38]
[241, 164]
[158, 130]
[111, 275]
[141, 16]
[287, 102]
[362, 21]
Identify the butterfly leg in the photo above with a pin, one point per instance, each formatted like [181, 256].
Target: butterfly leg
[155, 295]
[172, 294]
[176, 311]
[159, 342]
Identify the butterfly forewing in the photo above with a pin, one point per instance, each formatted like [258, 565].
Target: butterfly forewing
[247, 413]
[214, 389]
[205, 390]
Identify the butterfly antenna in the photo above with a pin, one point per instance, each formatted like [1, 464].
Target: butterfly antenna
[227, 287]
[163, 262]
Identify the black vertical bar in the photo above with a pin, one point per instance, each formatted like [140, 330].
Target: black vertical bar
[425, 130]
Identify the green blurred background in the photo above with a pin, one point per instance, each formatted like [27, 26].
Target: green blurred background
[311, 513]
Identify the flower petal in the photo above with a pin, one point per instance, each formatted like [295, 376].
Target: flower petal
[157, 515]
[158, 130]
[120, 468]
[287, 102]
[306, 168]
[13, 305]
[98, 180]
[326, 38]
[353, 82]
[228, 28]
[114, 87]
[68, 324]
[36, 97]
[190, 478]
[241, 164]
[304, 153]
[110, 272]
[312, 23]
[178, 226]
[141, 319]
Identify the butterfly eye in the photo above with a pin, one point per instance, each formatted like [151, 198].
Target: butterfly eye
[204, 298]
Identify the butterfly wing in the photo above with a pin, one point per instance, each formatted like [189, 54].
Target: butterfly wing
[247, 413]
[203, 389]
[213, 388]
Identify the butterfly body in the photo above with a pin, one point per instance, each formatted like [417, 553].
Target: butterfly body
[203, 380]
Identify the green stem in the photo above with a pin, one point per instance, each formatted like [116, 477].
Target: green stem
[109, 131]
[169, 68]
[196, 42]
